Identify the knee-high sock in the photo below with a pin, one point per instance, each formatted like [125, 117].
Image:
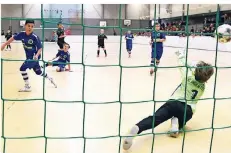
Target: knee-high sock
[25, 77]
[105, 51]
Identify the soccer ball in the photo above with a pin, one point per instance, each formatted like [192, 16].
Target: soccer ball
[223, 33]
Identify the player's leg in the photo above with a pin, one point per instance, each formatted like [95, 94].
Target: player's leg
[60, 44]
[7, 48]
[129, 52]
[153, 56]
[177, 122]
[129, 49]
[60, 68]
[37, 69]
[10, 47]
[23, 68]
[105, 51]
[164, 113]
[158, 57]
[98, 51]
[54, 63]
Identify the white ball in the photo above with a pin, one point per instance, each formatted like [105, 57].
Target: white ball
[223, 33]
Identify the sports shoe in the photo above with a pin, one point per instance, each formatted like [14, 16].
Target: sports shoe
[128, 140]
[174, 130]
[26, 88]
[52, 81]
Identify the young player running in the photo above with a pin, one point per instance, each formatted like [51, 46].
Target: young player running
[157, 40]
[33, 48]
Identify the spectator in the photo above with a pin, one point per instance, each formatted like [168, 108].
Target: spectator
[54, 37]
[224, 18]
[192, 30]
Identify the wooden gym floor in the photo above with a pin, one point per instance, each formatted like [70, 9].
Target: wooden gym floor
[65, 119]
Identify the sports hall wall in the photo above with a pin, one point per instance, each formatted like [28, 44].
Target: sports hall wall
[94, 13]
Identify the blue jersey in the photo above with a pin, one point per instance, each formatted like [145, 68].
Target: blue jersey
[31, 43]
[157, 35]
[63, 56]
[129, 38]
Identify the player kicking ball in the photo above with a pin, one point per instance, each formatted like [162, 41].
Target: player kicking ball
[174, 108]
[63, 58]
[157, 40]
[129, 37]
[33, 48]
[101, 44]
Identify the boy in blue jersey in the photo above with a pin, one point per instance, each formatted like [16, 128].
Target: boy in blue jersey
[63, 58]
[129, 37]
[157, 40]
[182, 102]
[33, 48]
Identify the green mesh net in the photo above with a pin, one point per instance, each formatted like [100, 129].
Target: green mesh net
[47, 26]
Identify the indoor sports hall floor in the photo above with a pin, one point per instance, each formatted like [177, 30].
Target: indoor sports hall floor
[102, 84]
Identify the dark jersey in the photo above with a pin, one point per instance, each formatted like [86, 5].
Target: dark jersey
[157, 35]
[31, 43]
[8, 35]
[129, 38]
[60, 32]
[101, 38]
[63, 56]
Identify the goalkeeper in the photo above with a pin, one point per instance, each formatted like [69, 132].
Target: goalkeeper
[174, 108]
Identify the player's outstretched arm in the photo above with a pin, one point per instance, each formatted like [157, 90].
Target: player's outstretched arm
[7, 43]
[182, 61]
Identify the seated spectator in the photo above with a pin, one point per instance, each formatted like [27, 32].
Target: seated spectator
[3, 33]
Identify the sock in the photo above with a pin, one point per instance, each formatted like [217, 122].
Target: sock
[25, 77]
[44, 74]
[97, 52]
[105, 52]
[157, 63]
[175, 121]
[152, 63]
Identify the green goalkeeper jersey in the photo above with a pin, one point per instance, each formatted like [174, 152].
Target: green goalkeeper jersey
[194, 89]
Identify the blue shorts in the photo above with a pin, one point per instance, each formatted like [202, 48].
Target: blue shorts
[58, 63]
[30, 65]
[128, 47]
[158, 54]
